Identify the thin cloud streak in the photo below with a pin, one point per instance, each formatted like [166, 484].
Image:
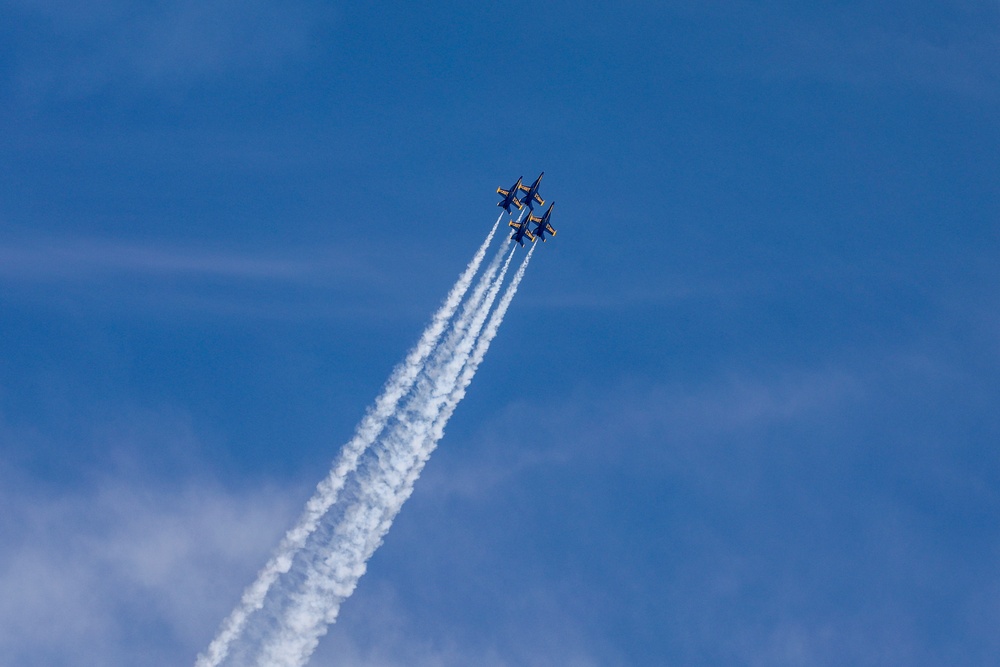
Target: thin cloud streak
[156, 281]
[93, 48]
[93, 259]
[871, 48]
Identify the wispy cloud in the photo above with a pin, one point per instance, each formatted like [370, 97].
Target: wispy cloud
[83, 572]
[385, 630]
[797, 517]
[951, 51]
[86, 575]
[83, 259]
[78, 48]
[877, 56]
[151, 278]
[665, 417]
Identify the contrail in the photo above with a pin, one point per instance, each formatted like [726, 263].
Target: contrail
[445, 350]
[374, 495]
[459, 389]
[372, 424]
[478, 354]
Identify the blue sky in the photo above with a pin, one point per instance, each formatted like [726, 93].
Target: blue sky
[742, 411]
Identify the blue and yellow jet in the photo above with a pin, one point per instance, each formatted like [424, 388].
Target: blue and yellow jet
[510, 196]
[520, 231]
[531, 193]
[542, 224]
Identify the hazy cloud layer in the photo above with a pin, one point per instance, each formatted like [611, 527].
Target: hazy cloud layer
[126, 572]
[825, 518]
[80, 48]
[161, 279]
[944, 47]
[797, 523]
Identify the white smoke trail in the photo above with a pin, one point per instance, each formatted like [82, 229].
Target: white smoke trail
[331, 571]
[459, 389]
[478, 354]
[427, 384]
[399, 384]
[458, 392]
[445, 350]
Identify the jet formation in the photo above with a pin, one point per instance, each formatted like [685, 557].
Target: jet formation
[509, 198]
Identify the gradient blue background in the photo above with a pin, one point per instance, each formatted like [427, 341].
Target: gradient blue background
[744, 410]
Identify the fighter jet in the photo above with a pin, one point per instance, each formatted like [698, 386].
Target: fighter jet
[520, 231]
[532, 195]
[542, 224]
[510, 196]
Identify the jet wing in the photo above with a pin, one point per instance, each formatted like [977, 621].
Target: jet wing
[509, 198]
